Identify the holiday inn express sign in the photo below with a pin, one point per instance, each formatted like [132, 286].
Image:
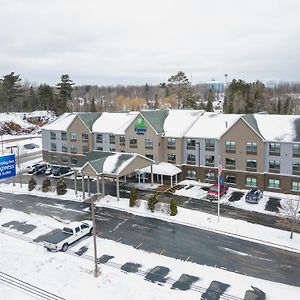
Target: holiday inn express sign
[7, 166]
[140, 127]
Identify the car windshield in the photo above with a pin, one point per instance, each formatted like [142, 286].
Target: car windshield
[214, 189]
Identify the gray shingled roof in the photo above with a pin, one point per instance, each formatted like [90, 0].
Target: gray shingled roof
[88, 118]
[251, 121]
[156, 118]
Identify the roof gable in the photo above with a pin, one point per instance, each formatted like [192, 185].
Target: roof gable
[156, 119]
[88, 118]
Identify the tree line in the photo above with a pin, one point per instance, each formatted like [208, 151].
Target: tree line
[177, 92]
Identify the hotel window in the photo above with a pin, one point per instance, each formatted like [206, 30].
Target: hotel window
[171, 143]
[230, 163]
[149, 155]
[230, 146]
[100, 148]
[251, 147]
[191, 174]
[209, 160]
[64, 148]
[296, 186]
[274, 183]
[251, 181]
[209, 145]
[112, 139]
[73, 149]
[191, 144]
[133, 143]
[54, 157]
[171, 157]
[296, 150]
[122, 140]
[53, 147]
[85, 137]
[274, 149]
[251, 164]
[112, 149]
[85, 149]
[210, 176]
[73, 136]
[191, 159]
[74, 160]
[65, 159]
[52, 135]
[296, 167]
[274, 166]
[99, 138]
[63, 135]
[148, 143]
[230, 179]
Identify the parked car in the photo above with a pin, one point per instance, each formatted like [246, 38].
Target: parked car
[38, 168]
[51, 169]
[212, 194]
[60, 241]
[61, 170]
[31, 146]
[254, 195]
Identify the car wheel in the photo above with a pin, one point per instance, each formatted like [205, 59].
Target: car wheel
[65, 247]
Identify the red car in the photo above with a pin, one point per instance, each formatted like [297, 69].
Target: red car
[212, 194]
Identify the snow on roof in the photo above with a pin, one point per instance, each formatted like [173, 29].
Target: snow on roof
[281, 128]
[178, 122]
[212, 125]
[114, 163]
[115, 123]
[162, 169]
[62, 123]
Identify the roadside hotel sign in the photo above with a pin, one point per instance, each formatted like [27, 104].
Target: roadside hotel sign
[7, 166]
[140, 127]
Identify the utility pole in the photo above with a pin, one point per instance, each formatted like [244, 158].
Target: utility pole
[92, 199]
[219, 183]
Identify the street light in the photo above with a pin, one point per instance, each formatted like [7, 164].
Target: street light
[18, 160]
[92, 199]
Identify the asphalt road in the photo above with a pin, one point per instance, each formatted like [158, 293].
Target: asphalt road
[173, 240]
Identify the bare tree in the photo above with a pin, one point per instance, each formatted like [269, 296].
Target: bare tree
[290, 212]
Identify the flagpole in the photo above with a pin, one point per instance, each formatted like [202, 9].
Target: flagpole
[219, 198]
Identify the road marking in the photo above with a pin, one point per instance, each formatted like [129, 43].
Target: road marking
[138, 246]
[162, 252]
[187, 258]
[119, 239]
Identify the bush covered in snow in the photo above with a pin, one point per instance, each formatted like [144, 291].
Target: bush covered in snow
[152, 201]
[61, 187]
[31, 183]
[46, 185]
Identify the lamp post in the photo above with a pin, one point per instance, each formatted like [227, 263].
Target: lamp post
[92, 199]
[198, 143]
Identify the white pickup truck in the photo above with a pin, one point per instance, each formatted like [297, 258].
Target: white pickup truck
[69, 234]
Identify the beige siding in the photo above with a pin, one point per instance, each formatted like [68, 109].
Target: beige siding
[241, 133]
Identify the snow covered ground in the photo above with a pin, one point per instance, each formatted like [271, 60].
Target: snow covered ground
[238, 228]
[70, 276]
[194, 189]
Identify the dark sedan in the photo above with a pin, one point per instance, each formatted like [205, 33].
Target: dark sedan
[254, 195]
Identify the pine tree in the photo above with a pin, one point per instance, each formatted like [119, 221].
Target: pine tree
[93, 106]
[31, 183]
[65, 90]
[133, 197]
[152, 201]
[11, 90]
[173, 208]
[61, 187]
[45, 97]
[46, 185]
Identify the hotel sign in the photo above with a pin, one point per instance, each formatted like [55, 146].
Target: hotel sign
[7, 166]
[140, 127]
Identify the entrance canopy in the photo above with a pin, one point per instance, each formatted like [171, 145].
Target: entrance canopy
[162, 169]
[112, 164]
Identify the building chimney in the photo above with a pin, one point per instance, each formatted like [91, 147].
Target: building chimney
[226, 124]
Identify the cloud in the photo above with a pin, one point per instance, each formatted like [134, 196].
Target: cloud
[138, 41]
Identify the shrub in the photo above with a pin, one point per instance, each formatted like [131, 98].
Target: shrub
[31, 183]
[152, 201]
[173, 208]
[133, 196]
[61, 187]
[46, 185]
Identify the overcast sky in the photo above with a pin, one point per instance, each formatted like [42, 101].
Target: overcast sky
[137, 41]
